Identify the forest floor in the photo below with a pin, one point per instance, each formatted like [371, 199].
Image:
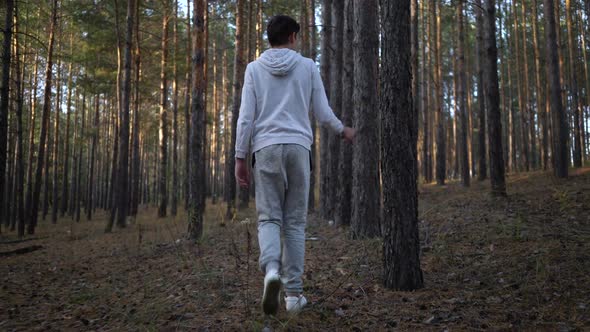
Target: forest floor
[521, 262]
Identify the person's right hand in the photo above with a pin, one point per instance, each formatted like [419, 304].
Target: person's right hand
[242, 174]
[348, 134]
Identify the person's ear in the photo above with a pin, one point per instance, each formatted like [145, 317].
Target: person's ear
[293, 38]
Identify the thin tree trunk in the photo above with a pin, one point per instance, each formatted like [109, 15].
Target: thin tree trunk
[90, 200]
[4, 92]
[481, 103]
[426, 93]
[163, 157]
[528, 116]
[32, 205]
[55, 180]
[173, 208]
[136, 154]
[312, 54]
[401, 244]
[324, 133]
[559, 127]
[586, 117]
[492, 93]
[187, 105]
[343, 209]
[197, 174]
[539, 93]
[365, 180]
[576, 106]
[336, 73]
[66, 161]
[464, 157]
[78, 196]
[438, 99]
[20, 168]
[239, 68]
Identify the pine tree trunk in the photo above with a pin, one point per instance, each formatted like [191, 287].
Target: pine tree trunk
[197, 174]
[244, 193]
[66, 161]
[163, 156]
[481, 102]
[324, 132]
[187, 105]
[528, 116]
[173, 208]
[239, 69]
[365, 180]
[539, 93]
[401, 244]
[426, 94]
[81, 138]
[136, 154]
[492, 97]
[4, 92]
[20, 167]
[32, 205]
[586, 117]
[416, 98]
[55, 180]
[441, 168]
[464, 156]
[122, 191]
[342, 210]
[576, 106]
[559, 126]
[336, 73]
[90, 194]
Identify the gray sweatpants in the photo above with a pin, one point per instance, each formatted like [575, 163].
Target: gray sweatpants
[282, 176]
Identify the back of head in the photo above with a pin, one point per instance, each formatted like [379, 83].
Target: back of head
[280, 28]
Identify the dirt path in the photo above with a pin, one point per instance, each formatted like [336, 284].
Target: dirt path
[520, 262]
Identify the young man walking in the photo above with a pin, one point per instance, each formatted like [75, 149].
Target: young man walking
[280, 89]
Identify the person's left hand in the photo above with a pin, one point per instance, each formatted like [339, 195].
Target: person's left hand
[242, 174]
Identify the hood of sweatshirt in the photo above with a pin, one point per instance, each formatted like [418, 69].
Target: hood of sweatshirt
[279, 61]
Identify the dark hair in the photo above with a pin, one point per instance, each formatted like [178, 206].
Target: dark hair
[279, 28]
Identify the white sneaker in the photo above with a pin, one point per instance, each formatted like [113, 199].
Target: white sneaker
[270, 297]
[294, 304]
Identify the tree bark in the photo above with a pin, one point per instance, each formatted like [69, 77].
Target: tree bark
[481, 104]
[32, 205]
[539, 93]
[90, 194]
[163, 157]
[441, 167]
[136, 154]
[365, 180]
[492, 98]
[173, 208]
[4, 92]
[401, 244]
[312, 54]
[187, 106]
[324, 133]
[559, 125]
[66, 161]
[464, 154]
[20, 167]
[197, 173]
[239, 69]
[55, 180]
[342, 210]
[335, 100]
[576, 105]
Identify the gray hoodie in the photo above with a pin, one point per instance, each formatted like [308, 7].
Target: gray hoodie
[280, 89]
